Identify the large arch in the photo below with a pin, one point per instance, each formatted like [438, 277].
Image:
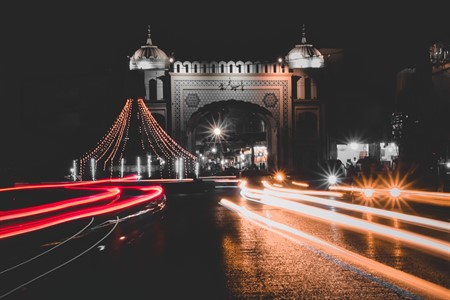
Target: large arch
[245, 124]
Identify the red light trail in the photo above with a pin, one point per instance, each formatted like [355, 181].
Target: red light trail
[46, 215]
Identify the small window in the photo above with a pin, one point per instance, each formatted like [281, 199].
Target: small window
[231, 69]
[195, 68]
[213, 68]
[222, 68]
[152, 90]
[248, 68]
[204, 68]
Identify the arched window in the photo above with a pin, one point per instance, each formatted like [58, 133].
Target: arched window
[231, 68]
[308, 88]
[222, 68]
[152, 90]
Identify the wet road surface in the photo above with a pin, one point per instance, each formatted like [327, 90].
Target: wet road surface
[199, 249]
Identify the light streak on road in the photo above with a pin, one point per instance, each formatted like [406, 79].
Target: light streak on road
[48, 250]
[61, 265]
[44, 222]
[66, 184]
[293, 194]
[413, 282]
[52, 207]
[434, 245]
[302, 184]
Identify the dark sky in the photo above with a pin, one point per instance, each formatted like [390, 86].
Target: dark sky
[72, 36]
[45, 45]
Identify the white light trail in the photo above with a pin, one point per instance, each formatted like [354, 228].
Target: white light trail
[372, 266]
[268, 198]
[298, 195]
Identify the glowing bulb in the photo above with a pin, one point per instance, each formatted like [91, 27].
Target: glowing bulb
[279, 176]
[395, 192]
[217, 131]
[332, 179]
[368, 193]
[353, 146]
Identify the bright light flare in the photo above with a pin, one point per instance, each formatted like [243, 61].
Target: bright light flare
[280, 176]
[368, 193]
[395, 192]
[283, 193]
[332, 179]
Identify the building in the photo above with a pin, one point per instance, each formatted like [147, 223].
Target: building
[266, 114]
[420, 123]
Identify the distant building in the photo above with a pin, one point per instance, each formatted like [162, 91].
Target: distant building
[420, 123]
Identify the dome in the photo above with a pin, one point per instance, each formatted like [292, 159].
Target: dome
[304, 56]
[149, 57]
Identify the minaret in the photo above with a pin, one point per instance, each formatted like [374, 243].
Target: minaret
[153, 62]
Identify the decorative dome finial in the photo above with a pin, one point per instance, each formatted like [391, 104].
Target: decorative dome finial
[149, 40]
[303, 34]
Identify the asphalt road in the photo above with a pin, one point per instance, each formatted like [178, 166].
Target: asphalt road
[196, 248]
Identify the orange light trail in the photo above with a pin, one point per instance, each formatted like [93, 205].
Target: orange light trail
[302, 184]
[436, 246]
[293, 194]
[437, 198]
[372, 266]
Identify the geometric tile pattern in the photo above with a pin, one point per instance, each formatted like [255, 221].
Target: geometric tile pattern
[192, 100]
[270, 100]
[198, 93]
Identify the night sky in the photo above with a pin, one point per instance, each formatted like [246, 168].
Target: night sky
[64, 66]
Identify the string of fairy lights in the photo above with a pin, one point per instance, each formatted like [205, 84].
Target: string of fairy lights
[109, 152]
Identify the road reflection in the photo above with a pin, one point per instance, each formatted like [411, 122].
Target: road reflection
[318, 205]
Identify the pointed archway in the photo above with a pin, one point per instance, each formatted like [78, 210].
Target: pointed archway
[246, 135]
